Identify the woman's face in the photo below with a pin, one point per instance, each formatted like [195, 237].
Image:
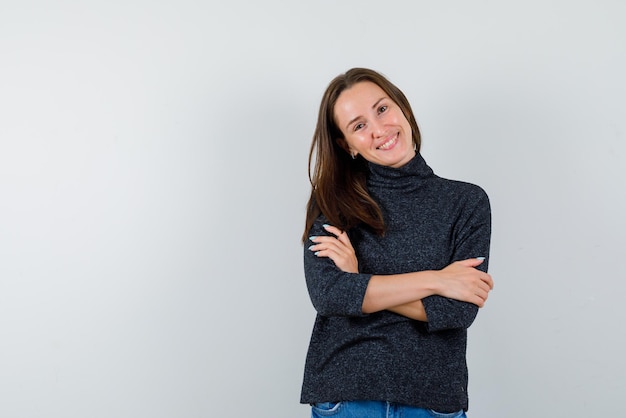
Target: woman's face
[373, 125]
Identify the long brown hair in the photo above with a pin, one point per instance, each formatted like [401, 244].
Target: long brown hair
[338, 182]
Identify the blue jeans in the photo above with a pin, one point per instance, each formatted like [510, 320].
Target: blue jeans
[376, 409]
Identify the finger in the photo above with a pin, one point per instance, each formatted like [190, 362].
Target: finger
[323, 240]
[341, 235]
[326, 247]
[332, 254]
[332, 247]
[485, 289]
[482, 293]
[472, 262]
[339, 258]
[345, 240]
[486, 286]
[486, 278]
[327, 241]
[481, 298]
[482, 301]
[474, 298]
[342, 243]
[332, 229]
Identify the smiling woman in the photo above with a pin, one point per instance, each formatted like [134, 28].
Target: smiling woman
[374, 126]
[396, 268]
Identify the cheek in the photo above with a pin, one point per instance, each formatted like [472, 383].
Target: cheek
[356, 141]
[405, 123]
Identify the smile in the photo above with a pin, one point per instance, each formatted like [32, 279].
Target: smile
[389, 143]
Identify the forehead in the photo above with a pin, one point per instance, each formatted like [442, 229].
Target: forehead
[357, 100]
[359, 97]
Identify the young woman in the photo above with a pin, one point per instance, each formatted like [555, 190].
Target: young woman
[395, 262]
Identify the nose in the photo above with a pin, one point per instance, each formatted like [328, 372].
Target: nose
[378, 128]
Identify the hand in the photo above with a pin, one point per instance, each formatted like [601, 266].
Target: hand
[462, 281]
[338, 248]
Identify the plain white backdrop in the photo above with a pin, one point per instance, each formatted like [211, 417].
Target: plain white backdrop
[153, 179]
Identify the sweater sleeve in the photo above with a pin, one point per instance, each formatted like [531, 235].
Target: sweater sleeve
[333, 292]
[472, 236]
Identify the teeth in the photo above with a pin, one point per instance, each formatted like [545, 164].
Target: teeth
[388, 143]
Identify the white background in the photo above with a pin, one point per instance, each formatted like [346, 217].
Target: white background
[153, 182]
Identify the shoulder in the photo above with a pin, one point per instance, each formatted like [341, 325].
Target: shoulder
[318, 226]
[465, 198]
[462, 189]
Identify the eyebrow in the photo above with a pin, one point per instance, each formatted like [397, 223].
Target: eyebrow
[373, 107]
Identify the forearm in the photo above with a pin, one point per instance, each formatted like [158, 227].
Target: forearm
[412, 310]
[453, 294]
[399, 291]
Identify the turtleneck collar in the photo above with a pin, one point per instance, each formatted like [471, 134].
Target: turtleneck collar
[388, 177]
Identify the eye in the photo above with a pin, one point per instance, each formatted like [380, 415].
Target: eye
[359, 126]
[382, 109]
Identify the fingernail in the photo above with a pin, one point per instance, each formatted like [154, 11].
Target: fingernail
[312, 238]
[325, 225]
[480, 258]
[311, 247]
[316, 253]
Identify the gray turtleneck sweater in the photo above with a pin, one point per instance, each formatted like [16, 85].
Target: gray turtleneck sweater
[430, 223]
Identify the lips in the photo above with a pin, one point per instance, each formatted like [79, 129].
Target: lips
[389, 143]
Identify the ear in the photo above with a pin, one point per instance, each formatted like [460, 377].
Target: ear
[344, 145]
